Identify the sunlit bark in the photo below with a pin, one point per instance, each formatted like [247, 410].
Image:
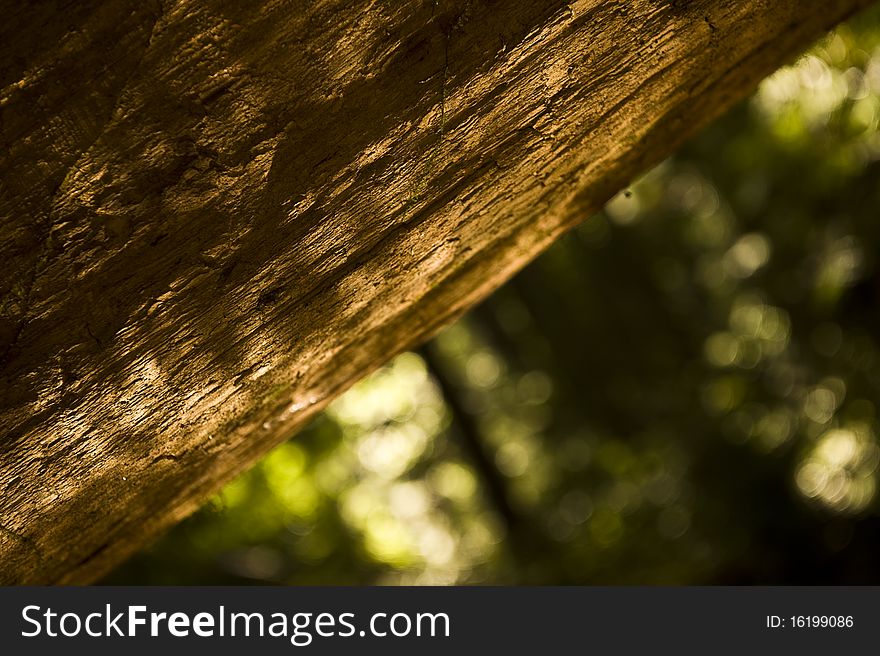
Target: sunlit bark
[216, 216]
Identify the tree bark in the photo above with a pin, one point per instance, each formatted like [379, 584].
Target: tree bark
[217, 215]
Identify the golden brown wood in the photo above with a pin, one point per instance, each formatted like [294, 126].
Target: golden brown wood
[216, 216]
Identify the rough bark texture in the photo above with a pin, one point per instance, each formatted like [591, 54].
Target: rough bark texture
[217, 215]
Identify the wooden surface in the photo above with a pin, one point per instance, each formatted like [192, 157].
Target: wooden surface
[217, 216]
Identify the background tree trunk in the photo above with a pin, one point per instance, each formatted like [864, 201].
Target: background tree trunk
[217, 216]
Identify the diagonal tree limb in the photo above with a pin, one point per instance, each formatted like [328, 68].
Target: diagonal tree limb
[217, 216]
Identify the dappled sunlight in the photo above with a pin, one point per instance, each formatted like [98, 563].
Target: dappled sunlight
[389, 452]
[398, 392]
[840, 470]
[682, 390]
[838, 81]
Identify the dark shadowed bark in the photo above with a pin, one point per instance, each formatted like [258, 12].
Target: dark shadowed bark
[218, 215]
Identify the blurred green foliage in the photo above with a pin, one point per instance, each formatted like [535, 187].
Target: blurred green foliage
[683, 390]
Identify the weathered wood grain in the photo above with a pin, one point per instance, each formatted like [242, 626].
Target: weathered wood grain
[218, 215]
